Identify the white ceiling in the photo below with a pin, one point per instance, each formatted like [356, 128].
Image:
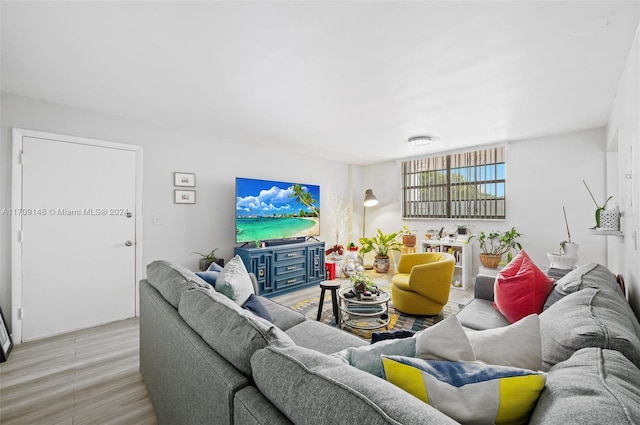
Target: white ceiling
[348, 80]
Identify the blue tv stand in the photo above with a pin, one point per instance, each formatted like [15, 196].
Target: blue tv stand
[285, 268]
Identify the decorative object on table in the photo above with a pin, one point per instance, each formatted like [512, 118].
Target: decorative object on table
[335, 253]
[184, 196]
[5, 340]
[381, 244]
[494, 244]
[605, 219]
[208, 258]
[338, 220]
[184, 179]
[370, 200]
[352, 263]
[361, 283]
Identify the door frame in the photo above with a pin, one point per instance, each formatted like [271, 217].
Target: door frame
[16, 219]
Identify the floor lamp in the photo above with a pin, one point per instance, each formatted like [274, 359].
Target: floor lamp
[369, 201]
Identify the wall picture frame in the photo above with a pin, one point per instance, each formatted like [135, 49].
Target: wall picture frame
[6, 343]
[184, 196]
[184, 179]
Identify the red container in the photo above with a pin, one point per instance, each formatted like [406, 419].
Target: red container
[331, 270]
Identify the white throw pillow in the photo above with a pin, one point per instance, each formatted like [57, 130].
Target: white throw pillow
[234, 281]
[517, 345]
[444, 341]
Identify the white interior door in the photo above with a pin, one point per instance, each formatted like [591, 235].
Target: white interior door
[78, 256]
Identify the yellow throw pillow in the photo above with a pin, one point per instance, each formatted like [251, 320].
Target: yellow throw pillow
[469, 392]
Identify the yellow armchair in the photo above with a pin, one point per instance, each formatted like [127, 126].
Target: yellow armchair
[422, 284]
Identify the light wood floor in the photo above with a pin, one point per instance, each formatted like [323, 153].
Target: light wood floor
[85, 377]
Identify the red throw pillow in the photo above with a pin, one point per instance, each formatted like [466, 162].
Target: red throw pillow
[521, 288]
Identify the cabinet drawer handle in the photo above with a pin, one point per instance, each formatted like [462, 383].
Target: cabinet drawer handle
[293, 254]
[291, 268]
[291, 281]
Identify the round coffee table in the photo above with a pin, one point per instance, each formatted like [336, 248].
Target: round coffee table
[365, 314]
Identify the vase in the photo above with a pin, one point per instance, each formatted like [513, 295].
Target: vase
[490, 261]
[409, 240]
[351, 264]
[381, 264]
[570, 249]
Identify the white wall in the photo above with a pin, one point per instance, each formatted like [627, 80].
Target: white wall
[185, 228]
[623, 134]
[543, 175]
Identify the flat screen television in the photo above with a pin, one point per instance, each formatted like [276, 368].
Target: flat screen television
[268, 210]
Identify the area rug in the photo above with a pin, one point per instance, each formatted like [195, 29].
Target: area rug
[398, 320]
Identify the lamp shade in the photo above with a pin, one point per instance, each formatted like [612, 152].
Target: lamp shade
[370, 199]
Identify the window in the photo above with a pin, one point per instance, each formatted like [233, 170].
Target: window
[461, 185]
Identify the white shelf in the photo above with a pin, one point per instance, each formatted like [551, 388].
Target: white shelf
[464, 260]
[601, 232]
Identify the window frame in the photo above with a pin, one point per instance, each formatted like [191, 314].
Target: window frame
[432, 186]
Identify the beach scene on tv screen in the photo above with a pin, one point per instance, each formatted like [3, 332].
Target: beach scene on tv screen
[267, 209]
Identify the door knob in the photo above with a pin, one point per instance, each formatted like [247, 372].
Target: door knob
[128, 243]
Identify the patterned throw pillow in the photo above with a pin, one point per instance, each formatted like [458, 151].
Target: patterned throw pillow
[468, 392]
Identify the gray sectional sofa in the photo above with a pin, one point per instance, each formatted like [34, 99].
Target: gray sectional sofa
[205, 360]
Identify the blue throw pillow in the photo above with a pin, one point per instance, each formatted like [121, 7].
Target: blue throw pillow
[254, 305]
[209, 277]
[215, 267]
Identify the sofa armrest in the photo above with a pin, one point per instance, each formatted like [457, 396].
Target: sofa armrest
[254, 282]
[484, 287]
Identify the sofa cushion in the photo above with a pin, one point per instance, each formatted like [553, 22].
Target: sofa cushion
[233, 332]
[480, 314]
[283, 317]
[172, 279]
[470, 392]
[591, 275]
[516, 345]
[320, 337]
[589, 318]
[521, 288]
[595, 386]
[316, 389]
[234, 281]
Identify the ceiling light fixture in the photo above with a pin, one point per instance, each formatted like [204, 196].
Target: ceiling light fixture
[420, 140]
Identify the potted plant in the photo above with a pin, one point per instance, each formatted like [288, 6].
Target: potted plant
[207, 259]
[381, 243]
[612, 216]
[568, 247]
[495, 244]
[408, 237]
[361, 283]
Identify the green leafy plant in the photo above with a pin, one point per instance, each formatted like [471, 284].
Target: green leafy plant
[362, 279]
[207, 259]
[381, 243]
[498, 243]
[599, 208]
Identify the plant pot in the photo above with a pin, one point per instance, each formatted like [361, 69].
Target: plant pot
[382, 264]
[490, 261]
[570, 249]
[205, 263]
[409, 240]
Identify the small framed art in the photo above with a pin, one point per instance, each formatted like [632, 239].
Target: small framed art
[184, 196]
[184, 179]
[5, 340]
